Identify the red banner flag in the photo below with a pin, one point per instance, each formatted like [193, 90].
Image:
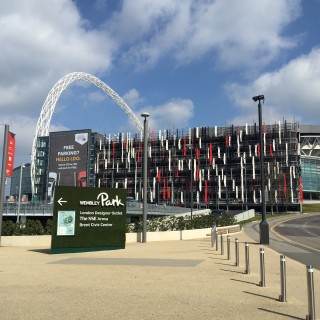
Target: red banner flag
[113, 148]
[210, 153]
[197, 174]
[10, 154]
[205, 191]
[301, 190]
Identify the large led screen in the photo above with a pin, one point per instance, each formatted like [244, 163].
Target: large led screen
[68, 159]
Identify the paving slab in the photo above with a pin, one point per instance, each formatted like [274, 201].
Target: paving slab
[155, 280]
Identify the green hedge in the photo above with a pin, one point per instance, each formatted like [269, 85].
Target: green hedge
[30, 227]
[171, 223]
[183, 223]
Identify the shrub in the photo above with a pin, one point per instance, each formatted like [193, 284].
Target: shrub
[30, 227]
[8, 228]
[173, 223]
[48, 227]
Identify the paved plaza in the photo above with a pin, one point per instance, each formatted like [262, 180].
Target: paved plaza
[154, 280]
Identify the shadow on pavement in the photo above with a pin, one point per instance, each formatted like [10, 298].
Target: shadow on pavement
[260, 295]
[45, 251]
[254, 283]
[232, 271]
[280, 314]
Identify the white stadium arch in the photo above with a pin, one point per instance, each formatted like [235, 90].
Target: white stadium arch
[43, 124]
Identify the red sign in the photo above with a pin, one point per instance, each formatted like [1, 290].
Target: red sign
[301, 189]
[24, 198]
[10, 154]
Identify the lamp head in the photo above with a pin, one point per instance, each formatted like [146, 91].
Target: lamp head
[145, 114]
[258, 98]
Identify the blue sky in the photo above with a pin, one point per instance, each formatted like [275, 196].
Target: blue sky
[187, 62]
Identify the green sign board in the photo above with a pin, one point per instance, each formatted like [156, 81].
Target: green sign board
[88, 219]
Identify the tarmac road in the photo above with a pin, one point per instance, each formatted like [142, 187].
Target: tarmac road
[295, 236]
[305, 231]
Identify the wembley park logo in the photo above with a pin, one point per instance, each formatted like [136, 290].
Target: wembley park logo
[103, 201]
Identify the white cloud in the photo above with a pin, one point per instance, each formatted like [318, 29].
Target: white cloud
[132, 97]
[290, 92]
[170, 115]
[40, 44]
[238, 33]
[97, 96]
[173, 114]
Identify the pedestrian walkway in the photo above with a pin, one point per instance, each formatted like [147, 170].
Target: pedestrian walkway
[155, 280]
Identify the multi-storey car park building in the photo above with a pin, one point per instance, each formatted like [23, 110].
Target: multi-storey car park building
[216, 167]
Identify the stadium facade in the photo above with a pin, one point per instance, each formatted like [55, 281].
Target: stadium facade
[310, 161]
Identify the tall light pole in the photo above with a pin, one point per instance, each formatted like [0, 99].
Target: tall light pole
[19, 194]
[264, 227]
[191, 189]
[145, 115]
[3, 173]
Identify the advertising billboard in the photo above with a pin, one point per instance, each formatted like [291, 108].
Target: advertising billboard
[88, 219]
[68, 159]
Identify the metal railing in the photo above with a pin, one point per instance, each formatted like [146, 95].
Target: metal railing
[46, 209]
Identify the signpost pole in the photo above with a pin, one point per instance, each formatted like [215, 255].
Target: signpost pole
[19, 194]
[3, 173]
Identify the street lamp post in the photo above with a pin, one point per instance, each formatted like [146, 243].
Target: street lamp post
[191, 188]
[145, 115]
[264, 227]
[19, 195]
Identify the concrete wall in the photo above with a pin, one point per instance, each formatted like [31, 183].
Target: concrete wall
[45, 241]
[169, 235]
[245, 215]
[26, 241]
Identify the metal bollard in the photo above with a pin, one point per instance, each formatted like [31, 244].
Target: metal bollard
[228, 247]
[310, 284]
[247, 258]
[283, 278]
[213, 234]
[222, 244]
[262, 269]
[237, 252]
[217, 241]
